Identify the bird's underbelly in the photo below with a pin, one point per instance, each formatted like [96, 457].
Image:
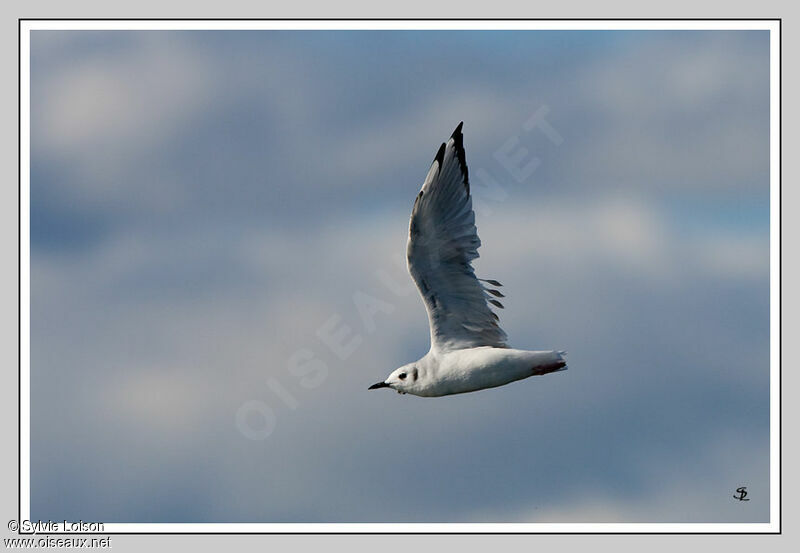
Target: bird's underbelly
[479, 368]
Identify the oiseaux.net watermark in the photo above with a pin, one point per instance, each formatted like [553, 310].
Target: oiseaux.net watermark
[255, 419]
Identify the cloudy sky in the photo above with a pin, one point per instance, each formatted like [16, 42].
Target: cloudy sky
[212, 211]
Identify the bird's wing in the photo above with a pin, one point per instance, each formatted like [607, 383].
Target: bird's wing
[442, 242]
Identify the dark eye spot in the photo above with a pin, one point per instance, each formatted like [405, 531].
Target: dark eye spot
[414, 373]
[403, 376]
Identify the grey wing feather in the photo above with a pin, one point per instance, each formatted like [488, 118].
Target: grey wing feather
[442, 243]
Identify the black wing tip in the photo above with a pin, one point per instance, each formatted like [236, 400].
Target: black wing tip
[457, 133]
[440, 154]
[458, 141]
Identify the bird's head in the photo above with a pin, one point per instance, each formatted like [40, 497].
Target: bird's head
[403, 379]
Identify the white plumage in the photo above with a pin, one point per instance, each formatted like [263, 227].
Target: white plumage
[468, 348]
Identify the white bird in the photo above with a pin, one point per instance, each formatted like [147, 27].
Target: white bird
[468, 348]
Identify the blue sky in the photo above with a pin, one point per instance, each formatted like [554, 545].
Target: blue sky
[203, 203]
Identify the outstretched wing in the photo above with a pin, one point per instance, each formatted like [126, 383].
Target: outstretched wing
[442, 242]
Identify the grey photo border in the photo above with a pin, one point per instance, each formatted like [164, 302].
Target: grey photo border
[20, 21]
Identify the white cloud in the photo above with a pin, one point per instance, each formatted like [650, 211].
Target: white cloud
[135, 99]
[619, 234]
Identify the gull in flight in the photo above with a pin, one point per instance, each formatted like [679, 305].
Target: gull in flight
[468, 347]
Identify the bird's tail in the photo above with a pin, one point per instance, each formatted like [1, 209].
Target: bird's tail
[562, 361]
[555, 364]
